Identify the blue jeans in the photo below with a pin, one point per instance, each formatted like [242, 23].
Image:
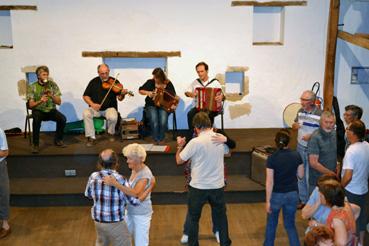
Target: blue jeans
[287, 202]
[303, 183]
[196, 200]
[158, 119]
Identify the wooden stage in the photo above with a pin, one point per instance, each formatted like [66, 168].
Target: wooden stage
[39, 179]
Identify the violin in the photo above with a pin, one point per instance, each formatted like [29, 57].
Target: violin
[115, 86]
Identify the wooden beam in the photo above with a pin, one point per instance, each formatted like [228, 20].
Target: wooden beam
[358, 40]
[18, 7]
[363, 35]
[268, 43]
[330, 58]
[131, 54]
[269, 4]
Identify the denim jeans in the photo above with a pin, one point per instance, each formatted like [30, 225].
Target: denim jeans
[303, 183]
[4, 191]
[158, 119]
[287, 202]
[196, 200]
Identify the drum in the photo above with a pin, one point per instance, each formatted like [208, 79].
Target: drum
[290, 112]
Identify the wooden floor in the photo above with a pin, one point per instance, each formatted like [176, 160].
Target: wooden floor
[73, 226]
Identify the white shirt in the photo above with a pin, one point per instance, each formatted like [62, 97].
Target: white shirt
[357, 159]
[195, 84]
[3, 143]
[207, 161]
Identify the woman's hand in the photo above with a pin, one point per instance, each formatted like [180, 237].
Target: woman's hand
[110, 180]
[267, 207]
[219, 138]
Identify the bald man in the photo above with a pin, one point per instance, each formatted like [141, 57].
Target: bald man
[306, 122]
[94, 96]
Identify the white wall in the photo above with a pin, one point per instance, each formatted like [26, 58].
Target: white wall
[355, 17]
[209, 30]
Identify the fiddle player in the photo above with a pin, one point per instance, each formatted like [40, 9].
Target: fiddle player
[157, 116]
[202, 82]
[42, 97]
[101, 104]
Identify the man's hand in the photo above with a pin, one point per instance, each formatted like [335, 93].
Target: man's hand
[190, 94]
[306, 137]
[95, 106]
[219, 98]
[44, 98]
[295, 126]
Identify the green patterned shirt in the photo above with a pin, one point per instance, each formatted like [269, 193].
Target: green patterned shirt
[35, 92]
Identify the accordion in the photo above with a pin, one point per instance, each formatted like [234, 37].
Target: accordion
[206, 99]
[165, 100]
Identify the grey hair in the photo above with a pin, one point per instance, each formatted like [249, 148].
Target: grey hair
[135, 151]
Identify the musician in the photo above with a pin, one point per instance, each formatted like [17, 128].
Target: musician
[94, 96]
[203, 81]
[42, 97]
[157, 115]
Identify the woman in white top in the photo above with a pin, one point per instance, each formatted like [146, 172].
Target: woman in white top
[139, 217]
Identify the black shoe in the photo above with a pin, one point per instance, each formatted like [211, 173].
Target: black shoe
[35, 149]
[60, 143]
[90, 142]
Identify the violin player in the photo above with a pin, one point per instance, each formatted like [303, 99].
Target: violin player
[102, 101]
[42, 97]
[157, 115]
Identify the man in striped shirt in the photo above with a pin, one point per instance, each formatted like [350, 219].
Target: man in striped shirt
[109, 202]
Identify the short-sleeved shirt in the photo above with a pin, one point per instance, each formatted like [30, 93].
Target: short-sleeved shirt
[322, 212]
[97, 93]
[197, 83]
[145, 206]
[3, 143]
[323, 144]
[309, 122]
[150, 86]
[109, 202]
[284, 163]
[207, 161]
[357, 159]
[35, 91]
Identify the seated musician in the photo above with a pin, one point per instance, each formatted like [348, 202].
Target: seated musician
[157, 114]
[43, 96]
[202, 82]
[101, 104]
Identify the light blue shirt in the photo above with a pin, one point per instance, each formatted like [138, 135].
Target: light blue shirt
[3, 143]
[321, 214]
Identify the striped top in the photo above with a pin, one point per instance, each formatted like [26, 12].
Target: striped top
[109, 202]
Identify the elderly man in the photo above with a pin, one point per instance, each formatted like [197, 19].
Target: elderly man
[322, 150]
[306, 122]
[108, 210]
[43, 96]
[207, 177]
[355, 171]
[202, 82]
[4, 187]
[101, 104]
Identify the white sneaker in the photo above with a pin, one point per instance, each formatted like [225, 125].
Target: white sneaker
[216, 235]
[184, 239]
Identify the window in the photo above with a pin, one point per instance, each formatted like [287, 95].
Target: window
[234, 82]
[6, 40]
[268, 26]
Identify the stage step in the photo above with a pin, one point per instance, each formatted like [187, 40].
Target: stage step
[76, 185]
[169, 190]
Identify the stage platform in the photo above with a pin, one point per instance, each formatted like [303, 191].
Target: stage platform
[39, 179]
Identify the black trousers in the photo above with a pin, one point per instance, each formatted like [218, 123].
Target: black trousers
[196, 200]
[54, 115]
